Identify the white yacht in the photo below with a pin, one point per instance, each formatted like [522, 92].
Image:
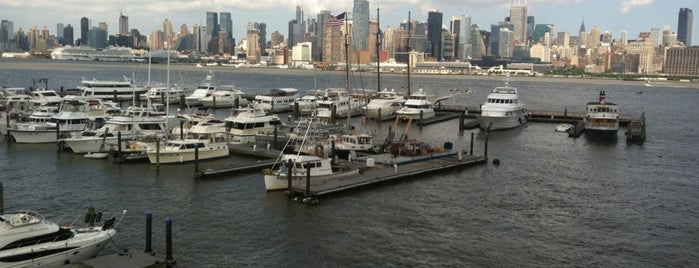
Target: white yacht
[337, 103]
[27, 239]
[245, 124]
[45, 98]
[602, 119]
[321, 168]
[417, 106]
[136, 122]
[503, 109]
[309, 102]
[208, 139]
[161, 94]
[206, 88]
[226, 96]
[385, 105]
[278, 99]
[110, 89]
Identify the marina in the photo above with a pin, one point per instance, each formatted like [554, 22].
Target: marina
[602, 203]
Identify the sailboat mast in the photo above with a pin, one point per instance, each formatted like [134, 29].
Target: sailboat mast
[410, 39]
[378, 51]
[347, 75]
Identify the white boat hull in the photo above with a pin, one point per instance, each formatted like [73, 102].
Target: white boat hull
[91, 145]
[181, 156]
[415, 113]
[84, 246]
[385, 112]
[501, 122]
[222, 103]
[34, 136]
[279, 181]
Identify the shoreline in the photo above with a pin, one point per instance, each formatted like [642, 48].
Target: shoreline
[53, 65]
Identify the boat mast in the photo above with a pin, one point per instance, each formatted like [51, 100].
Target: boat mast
[347, 74]
[410, 39]
[167, 89]
[378, 51]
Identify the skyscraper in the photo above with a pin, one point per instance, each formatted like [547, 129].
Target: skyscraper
[360, 25]
[168, 33]
[434, 34]
[297, 28]
[212, 24]
[59, 30]
[461, 27]
[84, 27]
[518, 17]
[123, 24]
[226, 24]
[68, 35]
[262, 35]
[684, 26]
[317, 50]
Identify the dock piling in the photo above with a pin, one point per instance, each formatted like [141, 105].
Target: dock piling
[308, 181]
[196, 158]
[149, 231]
[157, 155]
[2, 198]
[168, 243]
[471, 147]
[289, 165]
[181, 130]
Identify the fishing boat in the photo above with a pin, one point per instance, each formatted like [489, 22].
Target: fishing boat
[27, 239]
[601, 119]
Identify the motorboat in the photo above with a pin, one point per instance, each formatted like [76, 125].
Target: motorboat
[417, 106]
[601, 119]
[204, 141]
[45, 98]
[347, 145]
[278, 99]
[187, 121]
[245, 124]
[565, 127]
[337, 103]
[134, 123]
[119, 90]
[298, 166]
[309, 102]
[27, 239]
[224, 98]
[503, 109]
[75, 115]
[385, 105]
[206, 88]
[161, 94]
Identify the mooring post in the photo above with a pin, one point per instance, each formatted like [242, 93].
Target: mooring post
[118, 142]
[378, 116]
[420, 123]
[58, 135]
[2, 198]
[296, 109]
[115, 96]
[289, 166]
[565, 113]
[181, 130]
[7, 121]
[461, 121]
[471, 149]
[149, 233]
[486, 140]
[157, 155]
[182, 102]
[275, 137]
[308, 180]
[168, 243]
[196, 158]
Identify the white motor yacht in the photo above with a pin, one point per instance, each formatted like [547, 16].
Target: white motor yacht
[278, 99]
[206, 88]
[337, 103]
[245, 124]
[418, 106]
[321, 168]
[227, 96]
[385, 105]
[27, 239]
[503, 109]
[204, 141]
[161, 94]
[123, 90]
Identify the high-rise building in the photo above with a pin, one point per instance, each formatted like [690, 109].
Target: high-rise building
[212, 25]
[360, 25]
[68, 35]
[253, 42]
[297, 28]
[276, 38]
[593, 41]
[123, 24]
[563, 39]
[684, 26]
[682, 61]
[317, 51]
[262, 35]
[168, 33]
[434, 34]
[518, 17]
[6, 35]
[530, 29]
[461, 28]
[226, 24]
[505, 45]
[59, 30]
[97, 38]
[84, 27]
[655, 34]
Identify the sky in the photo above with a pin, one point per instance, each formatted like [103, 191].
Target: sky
[615, 16]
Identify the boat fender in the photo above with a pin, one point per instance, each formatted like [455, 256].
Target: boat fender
[496, 162]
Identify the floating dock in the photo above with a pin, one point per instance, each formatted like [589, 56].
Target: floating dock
[386, 168]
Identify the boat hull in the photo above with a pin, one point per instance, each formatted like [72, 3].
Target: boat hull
[382, 113]
[501, 123]
[610, 135]
[181, 156]
[34, 136]
[278, 180]
[82, 246]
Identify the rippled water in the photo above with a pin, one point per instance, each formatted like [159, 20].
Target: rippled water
[553, 201]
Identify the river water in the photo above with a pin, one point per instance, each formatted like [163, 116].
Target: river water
[553, 200]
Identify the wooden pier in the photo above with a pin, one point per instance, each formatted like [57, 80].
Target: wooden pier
[387, 168]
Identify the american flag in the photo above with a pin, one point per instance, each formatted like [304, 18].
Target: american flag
[336, 20]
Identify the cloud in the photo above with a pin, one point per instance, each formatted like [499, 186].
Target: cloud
[627, 5]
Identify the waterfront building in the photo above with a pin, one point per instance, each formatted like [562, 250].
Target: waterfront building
[644, 48]
[684, 26]
[321, 18]
[682, 61]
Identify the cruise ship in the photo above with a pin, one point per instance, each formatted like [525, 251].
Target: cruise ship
[93, 54]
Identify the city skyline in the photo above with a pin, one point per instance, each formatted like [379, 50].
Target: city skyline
[632, 16]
